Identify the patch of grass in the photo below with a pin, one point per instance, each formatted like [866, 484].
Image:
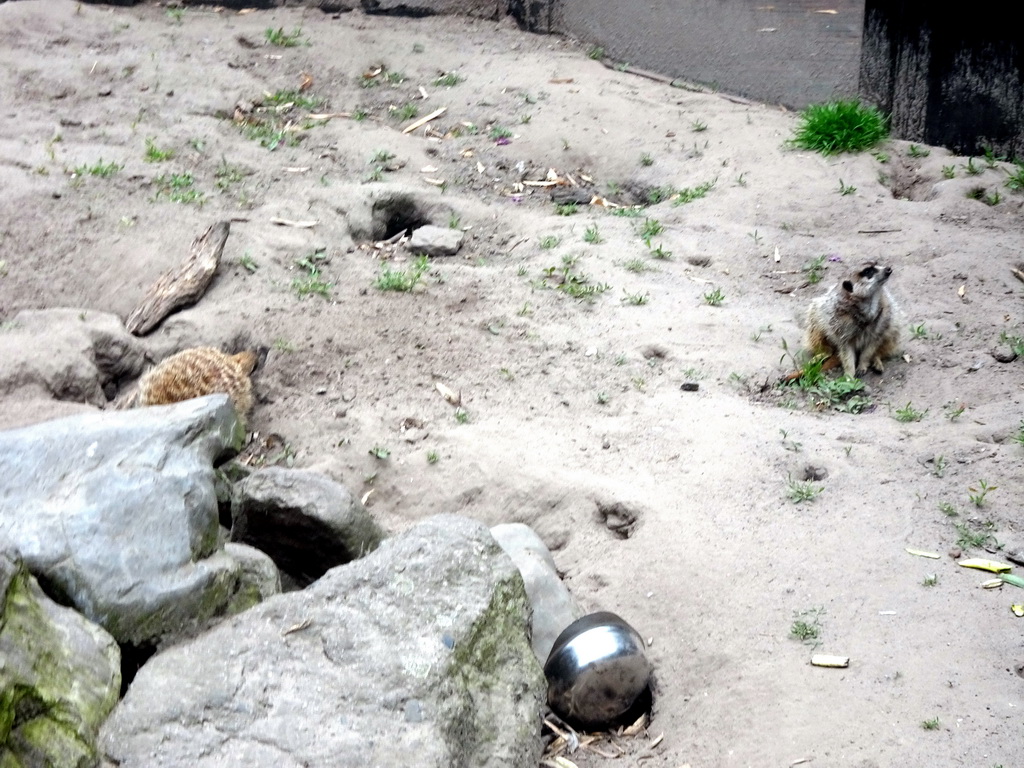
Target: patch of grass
[814, 270]
[646, 160]
[977, 494]
[248, 263]
[650, 228]
[432, 457]
[954, 410]
[99, 169]
[359, 115]
[461, 415]
[840, 126]
[918, 331]
[656, 195]
[226, 175]
[698, 126]
[948, 171]
[930, 580]
[799, 491]
[930, 725]
[313, 282]
[661, 253]
[971, 169]
[635, 299]
[689, 194]
[970, 538]
[839, 393]
[947, 509]
[380, 452]
[602, 398]
[403, 113]
[755, 237]
[283, 345]
[268, 133]
[908, 413]
[846, 189]
[283, 39]
[975, 193]
[179, 188]
[402, 280]
[382, 156]
[293, 98]
[566, 209]
[992, 198]
[636, 266]
[1018, 438]
[591, 235]
[447, 79]
[1015, 343]
[1015, 178]
[915, 151]
[500, 132]
[806, 626]
[549, 241]
[572, 283]
[596, 52]
[714, 298]
[154, 154]
[629, 212]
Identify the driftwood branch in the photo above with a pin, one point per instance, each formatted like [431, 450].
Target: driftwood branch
[183, 286]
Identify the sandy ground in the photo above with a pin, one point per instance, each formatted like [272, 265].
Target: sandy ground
[576, 417]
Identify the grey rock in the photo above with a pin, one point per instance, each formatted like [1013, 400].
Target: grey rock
[306, 522]
[553, 606]
[354, 670]
[115, 513]
[59, 676]
[258, 577]
[436, 241]
[69, 354]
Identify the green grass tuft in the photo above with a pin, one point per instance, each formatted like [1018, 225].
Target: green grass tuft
[840, 126]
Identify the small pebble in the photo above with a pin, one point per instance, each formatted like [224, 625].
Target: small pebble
[690, 386]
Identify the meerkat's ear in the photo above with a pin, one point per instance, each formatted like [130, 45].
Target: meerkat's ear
[847, 286]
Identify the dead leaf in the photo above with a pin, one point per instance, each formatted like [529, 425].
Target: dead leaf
[561, 80]
[305, 81]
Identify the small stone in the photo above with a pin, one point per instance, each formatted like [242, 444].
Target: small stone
[413, 711]
[436, 241]
[690, 386]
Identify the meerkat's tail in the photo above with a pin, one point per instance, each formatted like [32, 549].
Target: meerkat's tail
[828, 365]
[246, 361]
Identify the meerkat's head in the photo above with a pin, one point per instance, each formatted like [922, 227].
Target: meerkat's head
[867, 280]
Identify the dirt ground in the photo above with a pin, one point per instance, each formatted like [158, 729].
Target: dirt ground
[573, 415]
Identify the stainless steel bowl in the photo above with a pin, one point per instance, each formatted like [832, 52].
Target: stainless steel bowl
[597, 670]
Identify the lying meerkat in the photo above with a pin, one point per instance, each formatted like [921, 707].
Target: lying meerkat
[196, 372]
[855, 322]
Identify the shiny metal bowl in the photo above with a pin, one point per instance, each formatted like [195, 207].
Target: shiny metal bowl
[597, 670]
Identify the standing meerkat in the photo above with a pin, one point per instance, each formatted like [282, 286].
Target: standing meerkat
[856, 321]
[200, 371]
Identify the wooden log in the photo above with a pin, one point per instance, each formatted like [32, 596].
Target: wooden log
[181, 287]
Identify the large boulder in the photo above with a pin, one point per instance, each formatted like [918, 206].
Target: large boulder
[306, 522]
[59, 676]
[68, 354]
[116, 514]
[415, 655]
